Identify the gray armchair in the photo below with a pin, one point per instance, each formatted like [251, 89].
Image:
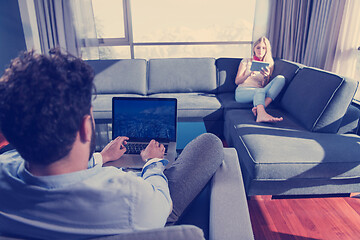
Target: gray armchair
[228, 217]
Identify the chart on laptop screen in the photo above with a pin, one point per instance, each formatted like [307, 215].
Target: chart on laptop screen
[144, 119]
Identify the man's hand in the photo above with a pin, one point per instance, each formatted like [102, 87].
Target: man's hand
[114, 150]
[153, 150]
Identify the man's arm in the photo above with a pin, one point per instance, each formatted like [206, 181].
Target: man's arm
[154, 168]
[154, 202]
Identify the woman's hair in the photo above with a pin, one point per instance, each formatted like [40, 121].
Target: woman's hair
[268, 55]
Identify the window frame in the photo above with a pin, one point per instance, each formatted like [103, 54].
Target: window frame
[119, 41]
[128, 40]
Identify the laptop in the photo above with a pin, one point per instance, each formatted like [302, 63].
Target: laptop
[141, 120]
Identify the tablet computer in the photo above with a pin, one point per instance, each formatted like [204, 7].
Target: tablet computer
[257, 65]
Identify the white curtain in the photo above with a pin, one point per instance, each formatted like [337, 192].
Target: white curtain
[85, 31]
[51, 26]
[289, 27]
[305, 31]
[346, 55]
[68, 24]
[323, 33]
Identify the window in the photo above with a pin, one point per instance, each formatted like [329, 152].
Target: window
[192, 20]
[109, 19]
[163, 28]
[111, 23]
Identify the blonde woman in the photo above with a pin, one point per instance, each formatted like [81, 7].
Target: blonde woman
[254, 86]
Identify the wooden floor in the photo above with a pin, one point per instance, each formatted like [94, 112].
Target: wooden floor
[305, 218]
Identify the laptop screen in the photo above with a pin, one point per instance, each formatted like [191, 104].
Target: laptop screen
[143, 119]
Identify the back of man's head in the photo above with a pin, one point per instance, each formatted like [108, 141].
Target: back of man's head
[43, 100]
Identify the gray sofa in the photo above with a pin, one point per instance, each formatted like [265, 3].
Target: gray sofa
[218, 211]
[307, 153]
[193, 81]
[310, 152]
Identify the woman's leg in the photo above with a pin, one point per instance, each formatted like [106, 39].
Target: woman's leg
[244, 94]
[192, 170]
[271, 91]
[274, 88]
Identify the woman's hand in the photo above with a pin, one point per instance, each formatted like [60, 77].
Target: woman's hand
[266, 73]
[241, 75]
[114, 150]
[253, 73]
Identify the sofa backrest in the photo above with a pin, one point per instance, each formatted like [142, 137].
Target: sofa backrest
[318, 99]
[120, 76]
[227, 70]
[287, 69]
[181, 75]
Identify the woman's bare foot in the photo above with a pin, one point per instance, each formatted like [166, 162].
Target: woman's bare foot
[263, 116]
[254, 111]
[268, 118]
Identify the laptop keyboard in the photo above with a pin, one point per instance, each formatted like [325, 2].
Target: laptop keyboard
[136, 148]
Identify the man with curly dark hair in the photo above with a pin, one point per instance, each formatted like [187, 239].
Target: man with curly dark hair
[39, 94]
[53, 186]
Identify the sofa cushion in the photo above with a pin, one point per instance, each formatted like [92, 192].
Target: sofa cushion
[287, 152]
[228, 101]
[234, 118]
[182, 75]
[350, 121]
[287, 69]
[318, 99]
[332, 117]
[195, 105]
[120, 76]
[282, 154]
[197, 213]
[227, 70]
[102, 104]
[228, 201]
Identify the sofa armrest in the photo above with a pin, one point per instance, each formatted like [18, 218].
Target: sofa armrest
[229, 213]
[178, 232]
